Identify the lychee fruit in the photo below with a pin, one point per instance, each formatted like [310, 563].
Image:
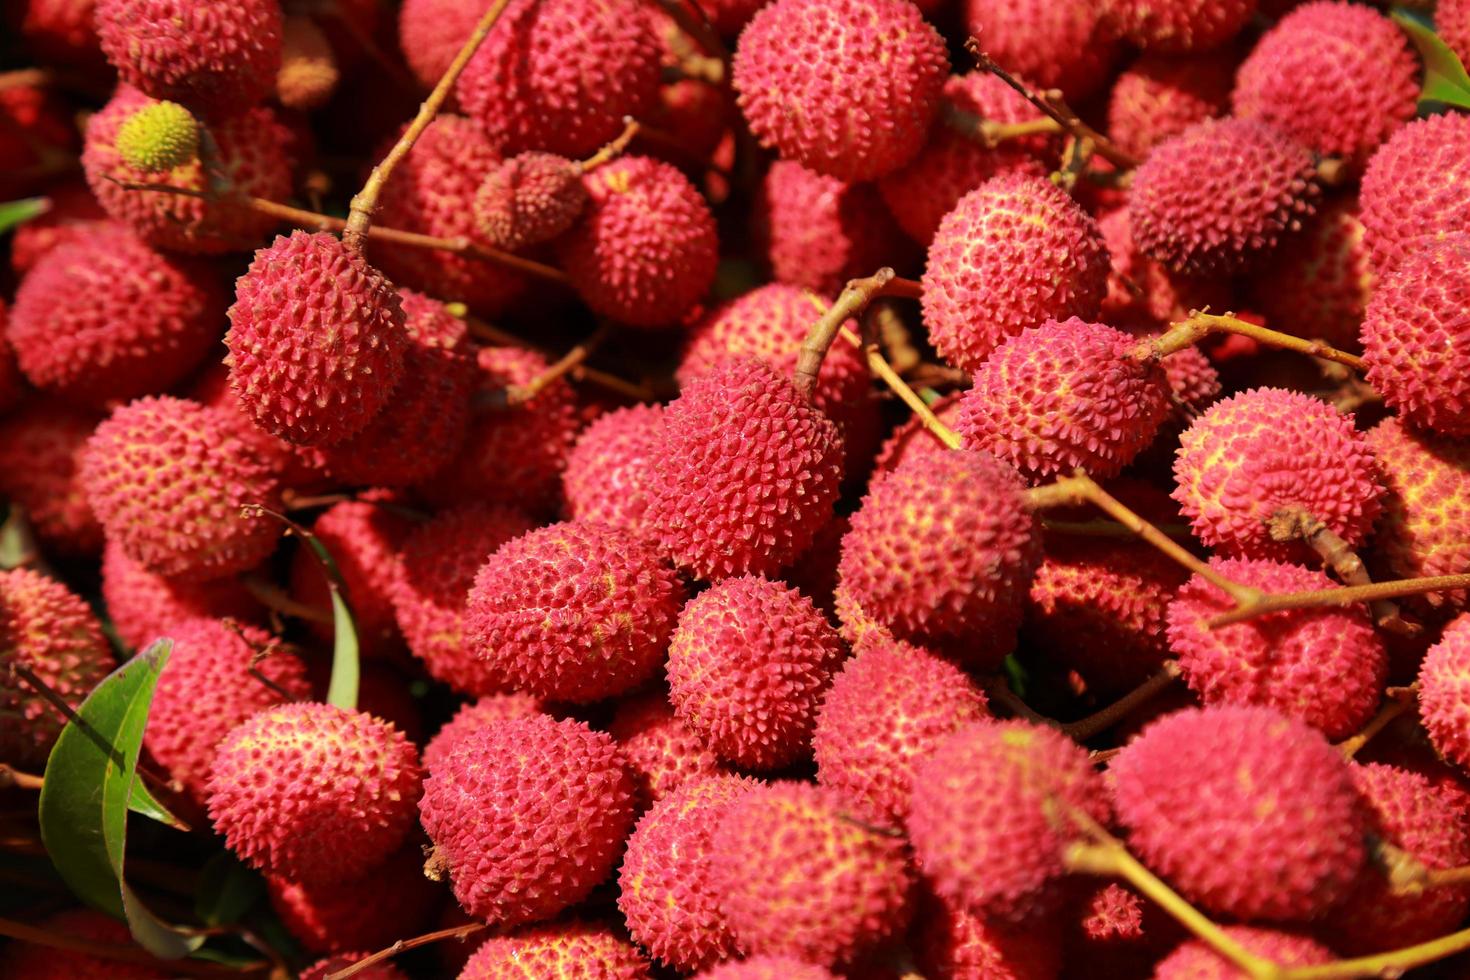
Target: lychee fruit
[558, 949]
[1014, 252]
[745, 474]
[527, 816]
[1249, 813]
[662, 752]
[1178, 25]
[488, 710]
[843, 87]
[334, 917]
[913, 438]
[1324, 666]
[887, 709]
[1452, 24]
[168, 480]
[1417, 185]
[1444, 693]
[1143, 294]
[435, 569]
[768, 968]
[952, 942]
[106, 319]
[73, 213]
[218, 676]
[941, 553]
[1056, 45]
[992, 814]
[1298, 72]
[363, 537]
[561, 75]
[574, 611]
[142, 605]
[47, 629]
[748, 666]
[1065, 395]
[827, 889]
[646, 250]
[41, 449]
[529, 199]
[64, 32]
[668, 896]
[317, 339]
[308, 75]
[608, 470]
[1319, 281]
[159, 137]
[1196, 960]
[1426, 499]
[1162, 95]
[430, 34]
[313, 792]
[33, 961]
[1268, 450]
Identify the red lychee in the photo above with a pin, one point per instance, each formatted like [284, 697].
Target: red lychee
[1196, 960]
[430, 34]
[476, 715]
[33, 961]
[1416, 185]
[1319, 282]
[558, 949]
[1162, 95]
[1061, 45]
[1444, 693]
[363, 537]
[41, 449]
[1179, 25]
[662, 752]
[73, 213]
[954, 943]
[529, 199]
[608, 470]
[1425, 503]
[142, 604]
[1143, 294]
[768, 968]
[334, 917]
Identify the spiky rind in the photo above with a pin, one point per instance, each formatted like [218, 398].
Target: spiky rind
[662, 752]
[1426, 500]
[1179, 25]
[529, 199]
[159, 137]
[1196, 960]
[1444, 693]
[1063, 45]
[1416, 186]
[1319, 282]
[557, 949]
[768, 968]
[142, 604]
[487, 710]
[41, 449]
[334, 917]
[608, 470]
[1161, 95]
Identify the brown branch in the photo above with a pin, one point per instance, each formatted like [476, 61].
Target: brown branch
[639, 392]
[275, 598]
[991, 133]
[26, 78]
[998, 690]
[1055, 107]
[854, 299]
[1201, 324]
[1295, 524]
[615, 148]
[1343, 596]
[11, 776]
[1101, 720]
[520, 394]
[403, 945]
[1400, 699]
[888, 376]
[365, 202]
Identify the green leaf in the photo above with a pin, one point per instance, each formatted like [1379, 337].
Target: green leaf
[142, 802]
[14, 213]
[227, 890]
[84, 801]
[1445, 79]
[342, 687]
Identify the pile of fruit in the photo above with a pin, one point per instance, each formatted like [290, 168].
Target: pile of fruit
[800, 489]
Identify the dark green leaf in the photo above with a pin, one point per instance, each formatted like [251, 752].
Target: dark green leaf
[1445, 79]
[143, 802]
[227, 890]
[85, 799]
[342, 687]
[13, 213]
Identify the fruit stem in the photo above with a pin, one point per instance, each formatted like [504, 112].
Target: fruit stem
[325, 222]
[1108, 529]
[1341, 596]
[365, 202]
[1106, 855]
[11, 776]
[854, 299]
[1081, 488]
[1296, 524]
[1201, 323]
[612, 150]
[988, 132]
[1400, 699]
[520, 394]
[1393, 963]
[276, 599]
[1101, 720]
[885, 372]
[697, 25]
[1055, 107]
[403, 945]
[998, 689]
[640, 392]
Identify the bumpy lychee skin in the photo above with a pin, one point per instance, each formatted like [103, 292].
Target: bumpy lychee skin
[574, 611]
[1267, 450]
[334, 917]
[558, 949]
[1160, 95]
[818, 231]
[646, 250]
[143, 605]
[41, 448]
[1209, 200]
[951, 164]
[1409, 812]
[667, 894]
[913, 438]
[314, 792]
[529, 199]
[32, 961]
[430, 34]
[1426, 499]
[887, 709]
[432, 192]
[1323, 666]
[1337, 77]
[1417, 185]
[827, 889]
[941, 553]
[662, 752]
[309, 74]
[1112, 593]
[748, 665]
[1057, 45]
[436, 568]
[215, 58]
[1195, 960]
[1179, 25]
[48, 629]
[1250, 814]
[167, 480]
[1063, 395]
[209, 686]
[952, 942]
[1142, 293]
[848, 89]
[317, 340]
[1014, 252]
[527, 816]
[249, 148]
[607, 475]
[768, 968]
[988, 819]
[1416, 339]
[1319, 282]
[488, 710]
[1444, 693]
[74, 213]
[159, 137]
[750, 500]
[363, 539]
[106, 318]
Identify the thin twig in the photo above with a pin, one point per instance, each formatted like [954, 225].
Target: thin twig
[1296, 524]
[274, 597]
[991, 133]
[1201, 323]
[613, 149]
[638, 392]
[1100, 721]
[1110, 529]
[11, 776]
[998, 690]
[1343, 596]
[888, 376]
[520, 394]
[854, 299]
[403, 945]
[365, 202]
[1400, 699]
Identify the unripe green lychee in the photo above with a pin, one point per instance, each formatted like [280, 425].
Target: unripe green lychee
[159, 137]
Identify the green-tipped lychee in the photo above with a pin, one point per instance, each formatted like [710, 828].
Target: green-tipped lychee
[159, 137]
